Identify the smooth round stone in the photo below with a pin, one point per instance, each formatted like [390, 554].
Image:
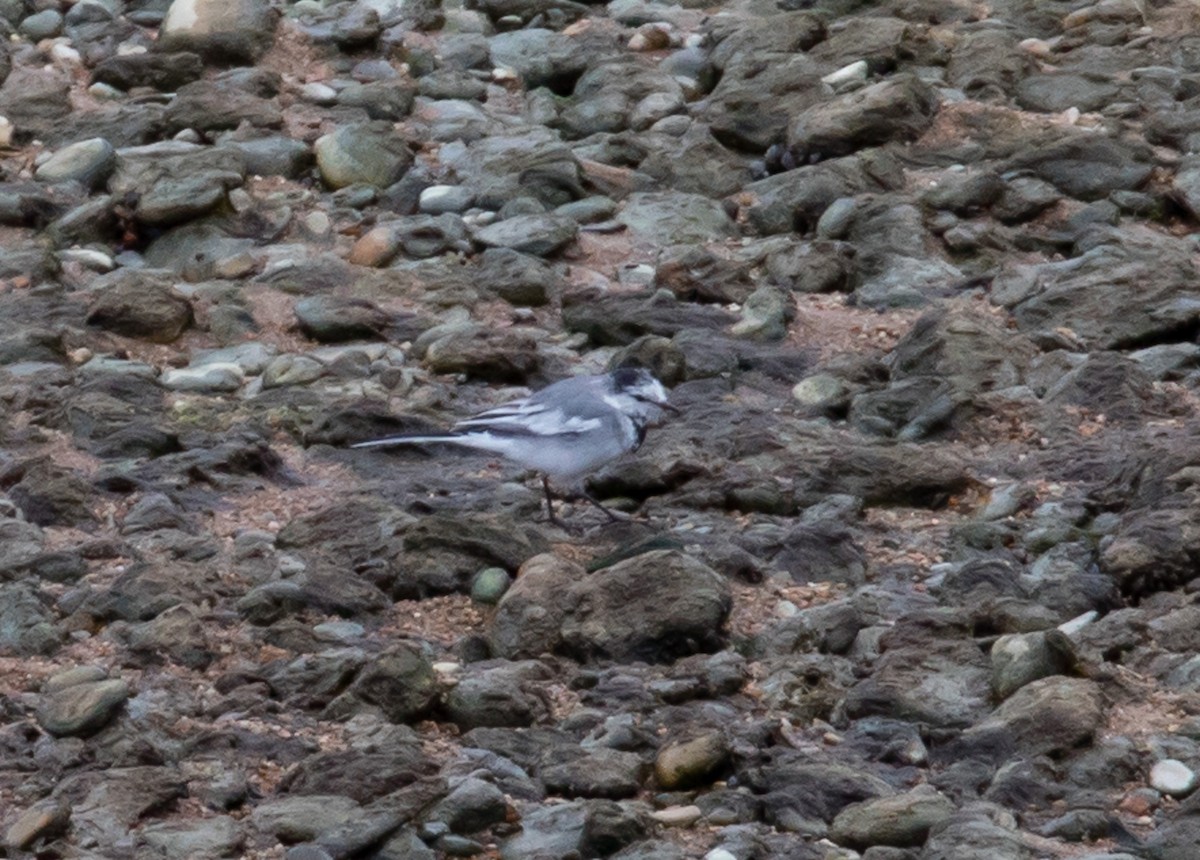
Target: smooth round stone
[319, 94]
[438, 199]
[339, 631]
[1171, 776]
[44, 25]
[213, 376]
[88, 162]
[677, 816]
[489, 585]
[720, 854]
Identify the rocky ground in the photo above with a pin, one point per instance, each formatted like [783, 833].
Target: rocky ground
[911, 578]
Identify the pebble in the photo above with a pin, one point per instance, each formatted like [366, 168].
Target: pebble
[677, 816]
[1173, 777]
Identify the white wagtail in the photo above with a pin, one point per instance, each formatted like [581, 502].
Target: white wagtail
[566, 430]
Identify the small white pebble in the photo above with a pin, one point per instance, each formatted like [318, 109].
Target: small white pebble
[1171, 776]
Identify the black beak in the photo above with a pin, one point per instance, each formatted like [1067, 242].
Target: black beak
[674, 410]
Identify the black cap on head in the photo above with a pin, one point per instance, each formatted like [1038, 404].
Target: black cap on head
[629, 377]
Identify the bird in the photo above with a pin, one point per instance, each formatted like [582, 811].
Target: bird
[565, 431]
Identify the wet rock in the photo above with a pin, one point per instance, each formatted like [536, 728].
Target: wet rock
[239, 31]
[541, 57]
[980, 831]
[592, 827]
[88, 162]
[519, 279]
[471, 806]
[400, 683]
[507, 355]
[538, 235]
[1072, 294]
[50, 495]
[220, 836]
[27, 623]
[902, 821]
[166, 72]
[1047, 715]
[656, 606]
[142, 307]
[82, 709]
[224, 103]
[1086, 166]
[684, 764]
[114, 800]
[621, 319]
[330, 319]
[45, 820]
[1021, 658]
[370, 153]
[675, 219]
[298, 819]
[899, 108]
[498, 693]
[602, 772]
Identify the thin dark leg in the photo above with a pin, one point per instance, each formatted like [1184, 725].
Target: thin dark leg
[549, 503]
[612, 518]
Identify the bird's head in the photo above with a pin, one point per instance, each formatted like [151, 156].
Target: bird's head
[639, 392]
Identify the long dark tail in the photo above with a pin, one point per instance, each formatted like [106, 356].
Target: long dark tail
[407, 440]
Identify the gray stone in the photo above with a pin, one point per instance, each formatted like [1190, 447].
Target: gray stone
[220, 836]
[471, 806]
[489, 585]
[498, 693]
[400, 683]
[1048, 715]
[1058, 91]
[82, 709]
[42, 25]
[547, 831]
[654, 607]
[898, 108]
[285, 370]
[1173, 777]
[370, 153]
[538, 55]
[904, 820]
[143, 307]
[1020, 658]
[45, 820]
[1078, 293]
[219, 29]
[1087, 166]
[304, 818]
[601, 772]
[686, 764]
[539, 235]
[675, 219]
[333, 319]
[273, 156]
[166, 72]
[27, 624]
